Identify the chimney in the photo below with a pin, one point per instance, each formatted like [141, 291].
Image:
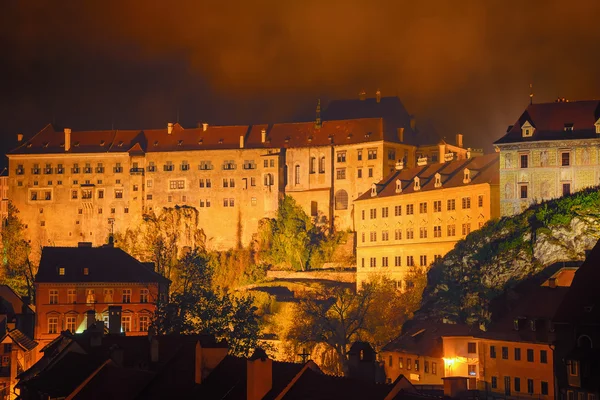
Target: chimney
[241, 141]
[90, 318]
[169, 128]
[455, 386]
[378, 95]
[154, 350]
[362, 95]
[204, 126]
[114, 319]
[263, 135]
[19, 137]
[259, 375]
[459, 140]
[401, 134]
[67, 139]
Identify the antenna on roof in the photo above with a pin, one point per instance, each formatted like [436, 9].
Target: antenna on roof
[531, 93]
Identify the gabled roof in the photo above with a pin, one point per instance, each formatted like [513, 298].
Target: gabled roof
[482, 169]
[104, 264]
[581, 304]
[550, 119]
[11, 303]
[20, 339]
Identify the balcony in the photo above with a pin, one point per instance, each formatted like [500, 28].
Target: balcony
[137, 171]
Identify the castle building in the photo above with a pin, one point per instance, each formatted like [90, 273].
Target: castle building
[550, 151]
[416, 215]
[77, 285]
[73, 186]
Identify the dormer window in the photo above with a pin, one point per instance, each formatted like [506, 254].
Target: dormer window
[373, 190]
[597, 124]
[102, 142]
[527, 129]
[398, 186]
[417, 183]
[438, 180]
[467, 176]
[569, 127]
[156, 143]
[179, 143]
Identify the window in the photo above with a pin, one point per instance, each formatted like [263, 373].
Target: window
[90, 297]
[71, 324]
[372, 154]
[530, 355]
[494, 382]
[517, 354]
[397, 261]
[231, 202]
[423, 260]
[434, 368]
[185, 166]
[410, 261]
[466, 203]
[126, 323]
[384, 261]
[118, 193]
[109, 295]
[426, 367]
[410, 209]
[87, 169]
[312, 166]
[297, 175]
[136, 188]
[422, 232]
[397, 211]
[410, 233]
[544, 389]
[100, 193]
[408, 363]
[370, 172]
[400, 362]
[126, 295]
[340, 173]
[373, 262]
[422, 208]
[523, 191]
[451, 205]
[492, 351]
[530, 386]
[341, 156]
[86, 194]
[391, 154]
[384, 212]
[322, 165]
[126, 209]
[359, 172]
[480, 200]
[373, 213]
[416, 365]
[118, 168]
[71, 296]
[524, 160]
[573, 367]
[472, 348]
[144, 295]
[517, 384]
[437, 206]
[53, 296]
[451, 230]
[372, 236]
[34, 196]
[144, 323]
[177, 184]
[75, 168]
[543, 356]
[504, 353]
[53, 325]
[565, 159]
[566, 189]
[398, 234]
[437, 231]
[472, 370]
[466, 229]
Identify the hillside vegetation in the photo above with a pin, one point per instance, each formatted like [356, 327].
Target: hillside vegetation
[507, 251]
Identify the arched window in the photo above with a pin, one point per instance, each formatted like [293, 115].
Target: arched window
[341, 200]
[322, 165]
[297, 175]
[268, 179]
[313, 165]
[584, 342]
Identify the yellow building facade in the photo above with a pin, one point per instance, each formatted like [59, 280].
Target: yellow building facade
[552, 150]
[416, 215]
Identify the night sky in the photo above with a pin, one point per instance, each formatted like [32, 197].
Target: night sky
[463, 65]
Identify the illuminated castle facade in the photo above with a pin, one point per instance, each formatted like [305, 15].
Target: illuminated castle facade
[73, 186]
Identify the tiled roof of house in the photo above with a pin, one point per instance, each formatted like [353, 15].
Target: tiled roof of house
[581, 304]
[114, 382]
[103, 264]
[482, 169]
[551, 119]
[22, 340]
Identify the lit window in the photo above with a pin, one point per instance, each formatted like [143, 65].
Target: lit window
[109, 295]
[71, 296]
[61, 271]
[126, 295]
[53, 296]
[144, 295]
[53, 325]
[126, 323]
[144, 323]
[71, 323]
[565, 159]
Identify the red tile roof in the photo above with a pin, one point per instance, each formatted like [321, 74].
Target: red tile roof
[550, 119]
[484, 169]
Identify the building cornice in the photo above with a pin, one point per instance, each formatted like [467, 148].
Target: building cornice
[546, 144]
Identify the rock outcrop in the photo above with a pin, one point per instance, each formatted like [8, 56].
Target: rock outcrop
[505, 252]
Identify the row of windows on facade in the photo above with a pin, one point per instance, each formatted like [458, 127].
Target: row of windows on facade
[543, 388]
[48, 169]
[71, 323]
[410, 261]
[423, 208]
[423, 233]
[565, 160]
[517, 354]
[524, 190]
[92, 298]
[417, 366]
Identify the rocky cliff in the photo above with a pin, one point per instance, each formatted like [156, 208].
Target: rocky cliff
[505, 252]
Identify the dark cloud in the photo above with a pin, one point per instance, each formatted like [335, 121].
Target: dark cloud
[465, 65]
